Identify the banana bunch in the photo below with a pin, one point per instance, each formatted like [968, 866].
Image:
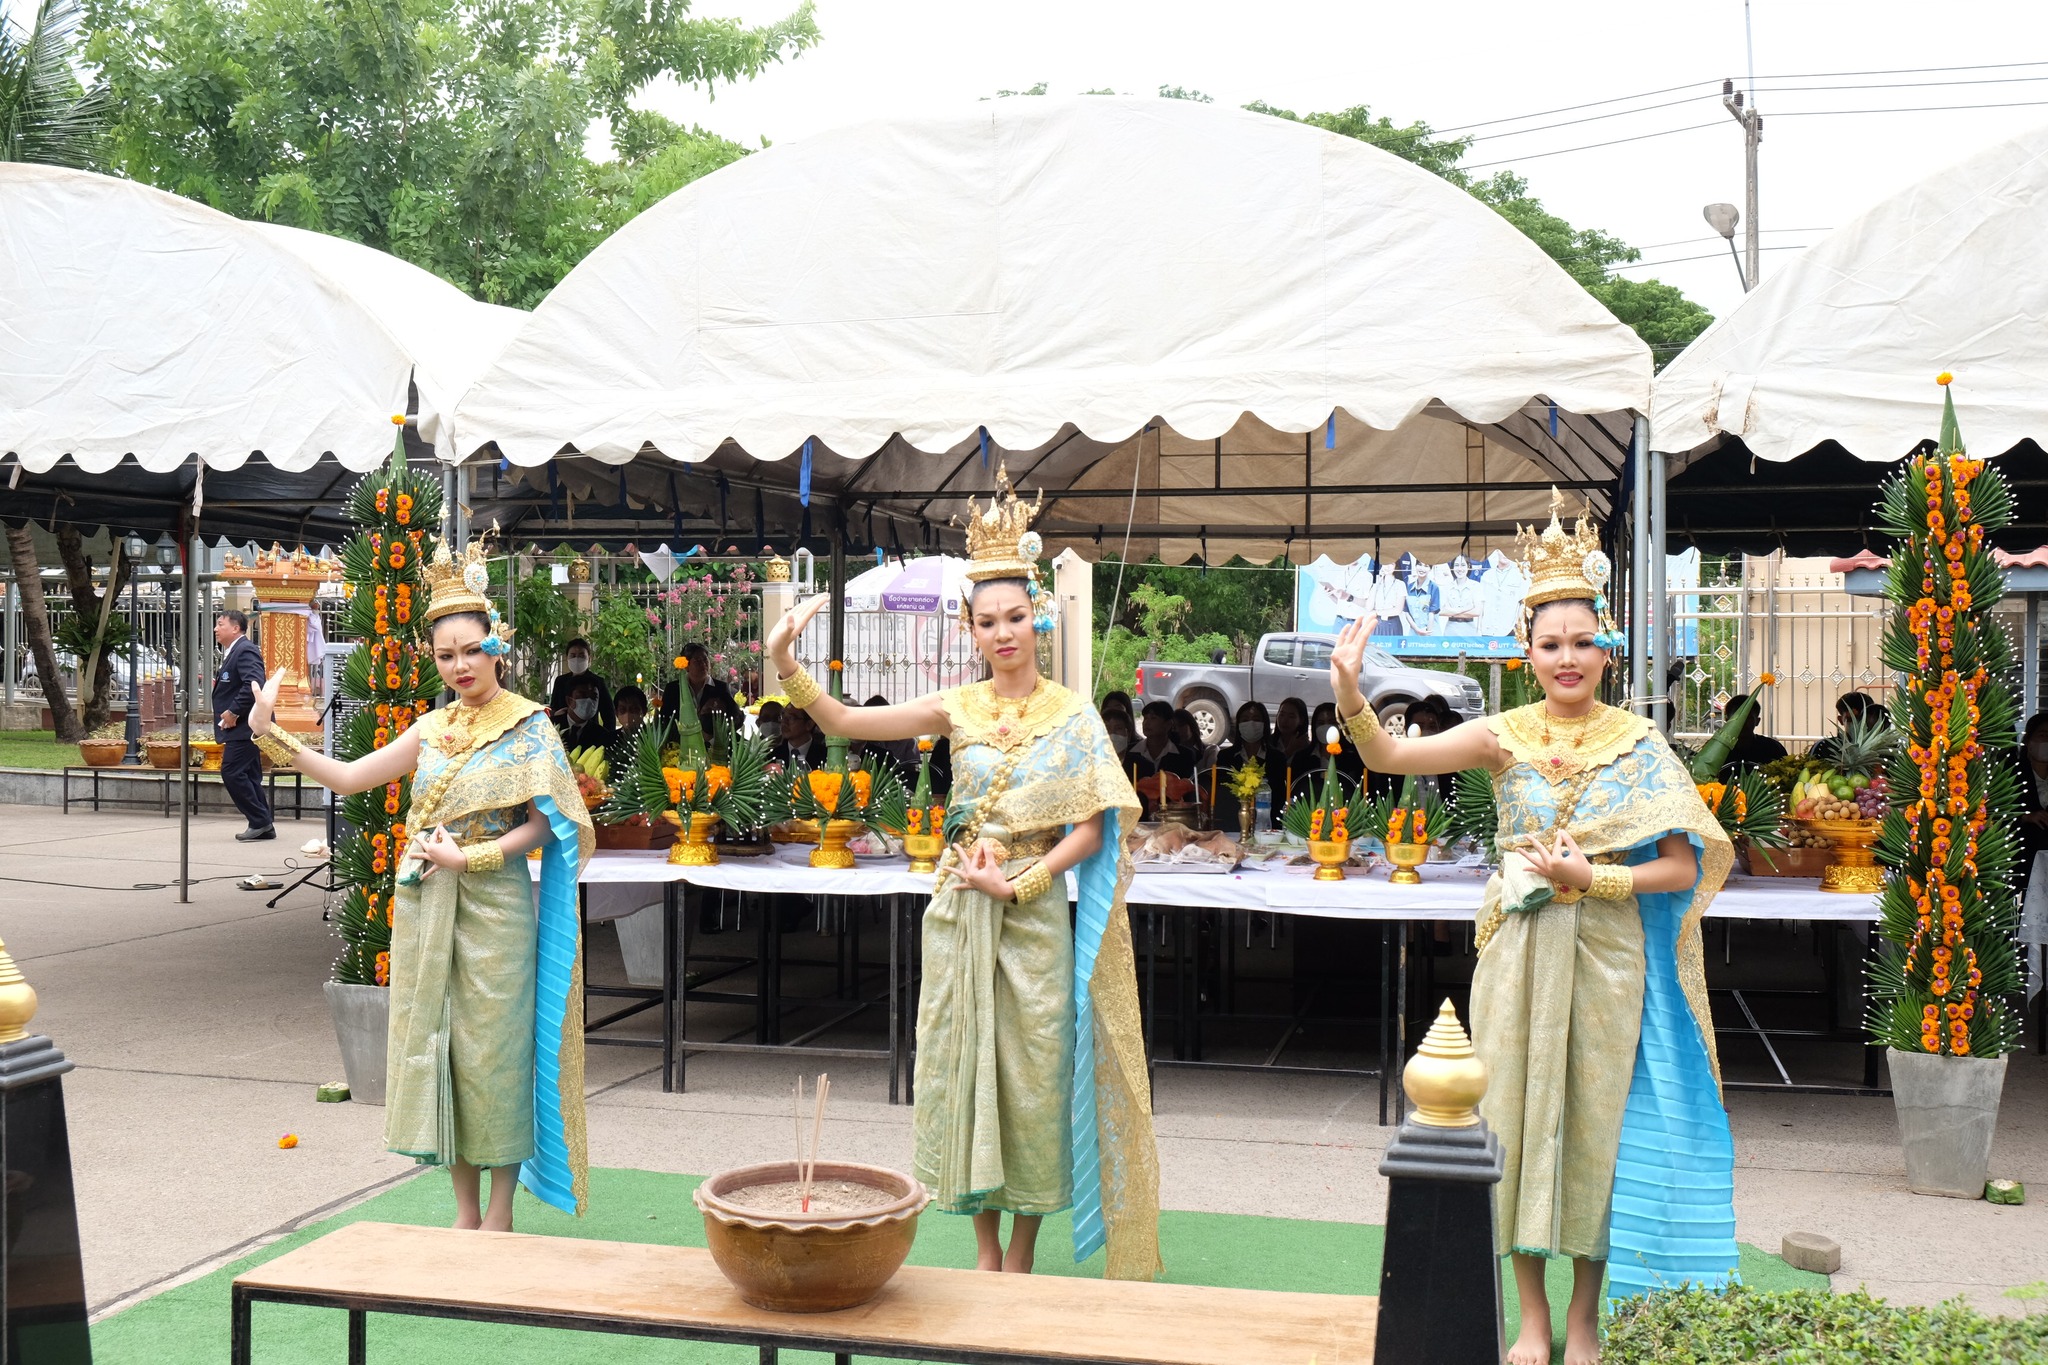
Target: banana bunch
[591, 762]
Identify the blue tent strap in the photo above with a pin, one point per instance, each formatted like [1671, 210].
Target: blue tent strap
[675, 506]
[1553, 421]
[724, 500]
[1330, 431]
[984, 446]
[761, 519]
[803, 478]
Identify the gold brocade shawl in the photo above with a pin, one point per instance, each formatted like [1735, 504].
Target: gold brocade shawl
[1056, 768]
[1619, 787]
[473, 760]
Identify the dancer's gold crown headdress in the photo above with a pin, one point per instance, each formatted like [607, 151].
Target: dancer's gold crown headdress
[1000, 541]
[1567, 565]
[454, 587]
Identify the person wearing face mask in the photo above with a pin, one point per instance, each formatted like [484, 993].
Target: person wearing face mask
[1292, 758]
[575, 665]
[2032, 761]
[1752, 750]
[1245, 743]
[585, 727]
[1123, 739]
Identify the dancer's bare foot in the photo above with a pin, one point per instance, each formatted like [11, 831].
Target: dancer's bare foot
[1532, 1343]
[494, 1222]
[468, 1221]
[1582, 1333]
[1018, 1260]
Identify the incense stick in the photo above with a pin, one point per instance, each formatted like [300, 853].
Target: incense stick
[810, 1170]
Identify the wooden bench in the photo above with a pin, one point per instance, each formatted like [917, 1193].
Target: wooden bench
[677, 1292]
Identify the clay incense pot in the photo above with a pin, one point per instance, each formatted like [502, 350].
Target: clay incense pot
[816, 1262]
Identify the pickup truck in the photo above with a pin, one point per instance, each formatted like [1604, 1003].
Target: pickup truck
[1297, 665]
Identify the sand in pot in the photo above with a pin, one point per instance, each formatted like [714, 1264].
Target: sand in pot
[835, 1197]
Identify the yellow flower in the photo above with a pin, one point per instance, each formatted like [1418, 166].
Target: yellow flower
[288, 1141]
[681, 662]
[1769, 680]
[1944, 378]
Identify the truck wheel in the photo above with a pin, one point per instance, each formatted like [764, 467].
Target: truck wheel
[1212, 719]
[1394, 716]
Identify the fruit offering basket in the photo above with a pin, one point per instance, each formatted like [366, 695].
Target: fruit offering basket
[1853, 870]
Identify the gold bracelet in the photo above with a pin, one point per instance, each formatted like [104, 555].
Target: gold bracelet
[1033, 882]
[279, 746]
[1359, 729]
[484, 855]
[1566, 895]
[801, 688]
[1612, 883]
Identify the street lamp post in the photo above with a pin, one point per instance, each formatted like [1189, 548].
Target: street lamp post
[134, 547]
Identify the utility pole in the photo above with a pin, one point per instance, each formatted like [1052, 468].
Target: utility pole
[1744, 113]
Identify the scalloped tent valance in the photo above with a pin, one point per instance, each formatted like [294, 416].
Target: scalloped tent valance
[144, 325]
[1843, 344]
[1059, 274]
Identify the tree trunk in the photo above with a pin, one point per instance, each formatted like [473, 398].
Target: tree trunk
[35, 624]
[85, 601]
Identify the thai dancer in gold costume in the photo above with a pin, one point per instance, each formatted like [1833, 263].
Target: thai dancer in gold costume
[484, 1067]
[1031, 1081]
[1589, 1001]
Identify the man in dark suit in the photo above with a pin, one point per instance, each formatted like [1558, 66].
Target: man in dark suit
[234, 692]
[713, 699]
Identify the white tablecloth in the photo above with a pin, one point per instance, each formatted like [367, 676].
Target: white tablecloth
[1447, 892]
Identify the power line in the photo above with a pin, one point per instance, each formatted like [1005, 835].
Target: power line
[1715, 85]
[1907, 109]
[1708, 256]
[1611, 142]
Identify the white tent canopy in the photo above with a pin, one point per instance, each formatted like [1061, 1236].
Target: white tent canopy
[1046, 269]
[142, 324]
[1843, 344]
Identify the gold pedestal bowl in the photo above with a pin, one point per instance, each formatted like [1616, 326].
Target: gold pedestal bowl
[832, 850]
[1329, 855]
[1853, 869]
[1406, 858]
[694, 848]
[924, 851]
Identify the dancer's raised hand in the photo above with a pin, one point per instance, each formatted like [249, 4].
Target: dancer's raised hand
[264, 706]
[781, 642]
[1562, 862]
[1347, 660]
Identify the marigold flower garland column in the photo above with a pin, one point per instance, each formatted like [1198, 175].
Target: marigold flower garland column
[1949, 906]
[391, 678]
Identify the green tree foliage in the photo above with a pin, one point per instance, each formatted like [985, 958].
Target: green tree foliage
[448, 134]
[46, 115]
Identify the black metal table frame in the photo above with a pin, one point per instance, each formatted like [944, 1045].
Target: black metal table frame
[1392, 1024]
[244, 1299]
[1751, 1027]
[167, 779]
[675, 993]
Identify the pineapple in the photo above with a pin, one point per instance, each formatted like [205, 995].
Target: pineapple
[1853, 787]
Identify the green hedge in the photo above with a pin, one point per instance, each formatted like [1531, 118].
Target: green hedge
[1812, 1327]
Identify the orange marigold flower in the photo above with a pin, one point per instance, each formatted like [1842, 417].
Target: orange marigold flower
[288, 1141]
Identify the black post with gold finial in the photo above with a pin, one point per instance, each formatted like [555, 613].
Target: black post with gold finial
[1440, 1276]
[42, 1284]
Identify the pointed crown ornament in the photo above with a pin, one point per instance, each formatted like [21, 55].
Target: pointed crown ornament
[1001, 544]
[1565, 566]
[454, 587]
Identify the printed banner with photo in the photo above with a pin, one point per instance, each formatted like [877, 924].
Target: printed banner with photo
[1439, 611]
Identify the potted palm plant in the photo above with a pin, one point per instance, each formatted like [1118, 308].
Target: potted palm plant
[1942, 995]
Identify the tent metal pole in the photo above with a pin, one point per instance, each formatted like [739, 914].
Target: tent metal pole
[188, 646]
[1660, 596]
[1638, 564]
[838, 584]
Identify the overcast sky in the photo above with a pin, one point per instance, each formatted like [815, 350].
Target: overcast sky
[1451, 64]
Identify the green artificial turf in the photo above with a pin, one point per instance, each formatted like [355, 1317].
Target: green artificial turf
[35, 749]
[188, 1325]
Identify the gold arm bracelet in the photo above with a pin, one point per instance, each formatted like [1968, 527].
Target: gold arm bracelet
[1359, 729]
[484, 855]
[1567, 895]
[1612, 883]
[279, 746]
[801, 688]
[1033, 882]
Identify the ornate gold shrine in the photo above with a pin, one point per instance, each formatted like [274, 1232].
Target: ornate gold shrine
[290, 580]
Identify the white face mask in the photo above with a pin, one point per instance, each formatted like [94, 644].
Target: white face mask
[1253, 731]
[583, 708]
[1119, 741]
[578, 663]
[2038, 751]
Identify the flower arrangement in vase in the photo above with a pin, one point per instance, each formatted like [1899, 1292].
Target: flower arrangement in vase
[1751, 808]
[841, 799]
[1244, 785]
[924, 819]
[1325, 819]
[392, 684]
[677, 777]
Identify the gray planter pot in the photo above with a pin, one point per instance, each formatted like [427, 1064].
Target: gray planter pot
[362, 1025]
[1948, 1113]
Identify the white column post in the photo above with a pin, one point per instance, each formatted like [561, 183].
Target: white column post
[1660, 595]
[1073, 637]
[1638, 564]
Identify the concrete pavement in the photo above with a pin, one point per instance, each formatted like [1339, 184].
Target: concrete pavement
[200, 1032]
